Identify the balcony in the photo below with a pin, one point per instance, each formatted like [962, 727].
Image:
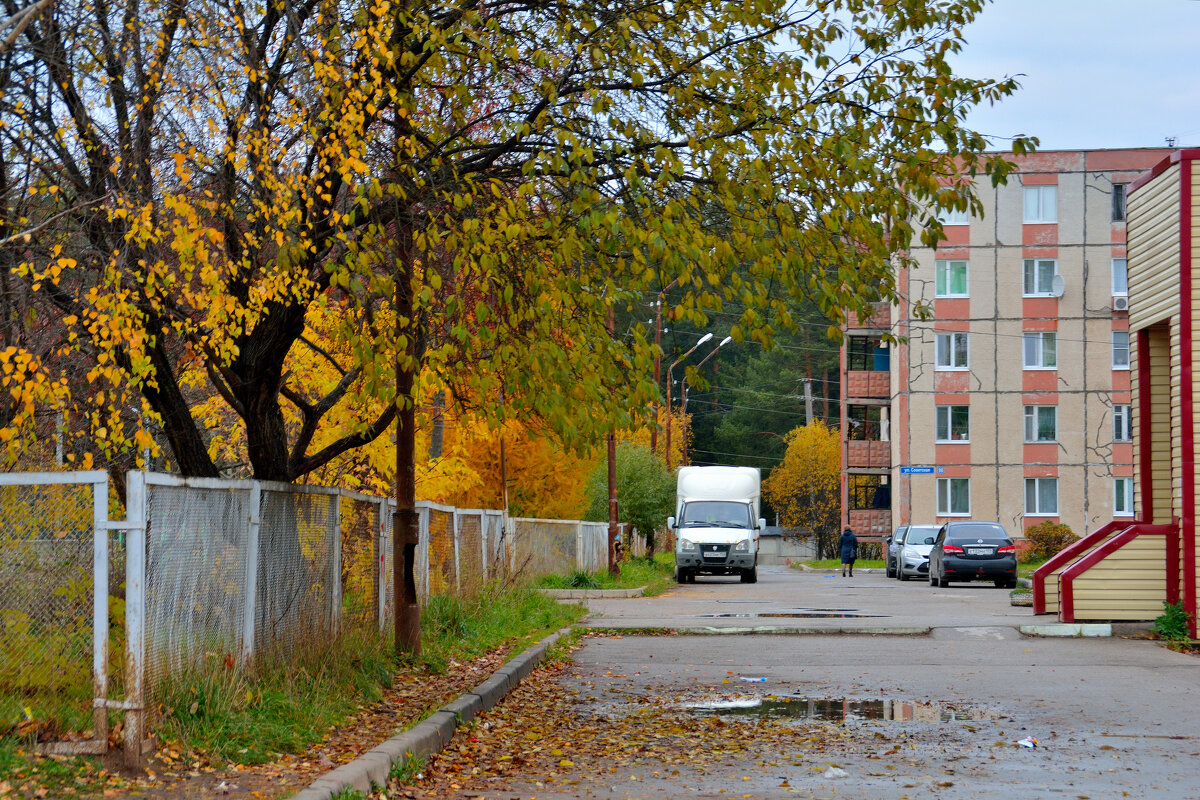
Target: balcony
[880, 320]
[871, 524]
[866, 454]
[862, 383]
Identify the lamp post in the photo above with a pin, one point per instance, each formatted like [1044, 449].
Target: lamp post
[724, 342]
[671, 368]
[658, 359]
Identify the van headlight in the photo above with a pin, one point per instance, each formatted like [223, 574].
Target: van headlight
[742, 547]
[687, 546]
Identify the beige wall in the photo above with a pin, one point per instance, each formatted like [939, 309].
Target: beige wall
[1086, 240]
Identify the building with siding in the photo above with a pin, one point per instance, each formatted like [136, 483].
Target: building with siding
[1013, 401]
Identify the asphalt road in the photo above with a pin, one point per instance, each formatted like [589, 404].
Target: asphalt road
[881, 714]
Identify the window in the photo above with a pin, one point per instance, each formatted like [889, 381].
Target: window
[1120, 349]
[1120, 276]
[863, 423]
[866, 354]
[953, 423]
[1041, 497]
[868, 491]
[950, 216]
[1041, 423]
[1118, 214]
[1041, 204]
[1122, 424]
[1039, 276]
[952, 350]
[954, 497]
[1040, 350]
[951, 278]
[1122, 497]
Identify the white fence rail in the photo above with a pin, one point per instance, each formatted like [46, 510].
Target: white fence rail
[221, 569]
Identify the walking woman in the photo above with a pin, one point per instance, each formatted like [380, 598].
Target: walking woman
[848, 544]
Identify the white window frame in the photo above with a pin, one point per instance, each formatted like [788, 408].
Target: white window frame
[1122, 423]
[1033, 418]
[1117, 349]
[1042, 337]
[1040, 204]
[946, 494]
[950, 337]
[954, 216]
[1030, 277]
[943, 267]
[1121, 288]
[944, 424]
[1037, 495]
[1122, 496]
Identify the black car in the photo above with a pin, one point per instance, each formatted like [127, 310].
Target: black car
[968, 550]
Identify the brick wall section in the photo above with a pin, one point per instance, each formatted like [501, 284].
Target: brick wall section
[867, 384]
[871, 524]
[881, 319]
[869, 454]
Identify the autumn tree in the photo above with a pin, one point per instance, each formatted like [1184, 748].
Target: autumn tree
[645, 491]
[805, 488]
[474, 187]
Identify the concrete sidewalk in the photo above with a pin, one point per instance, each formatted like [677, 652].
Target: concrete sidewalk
[791, 601]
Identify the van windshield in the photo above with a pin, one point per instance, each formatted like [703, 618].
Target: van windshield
[715, 514]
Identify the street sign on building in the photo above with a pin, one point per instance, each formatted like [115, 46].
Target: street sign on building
[916, 470]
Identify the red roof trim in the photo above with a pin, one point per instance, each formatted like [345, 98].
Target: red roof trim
[1161, 167]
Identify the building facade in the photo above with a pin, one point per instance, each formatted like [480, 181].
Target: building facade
[1011, 402]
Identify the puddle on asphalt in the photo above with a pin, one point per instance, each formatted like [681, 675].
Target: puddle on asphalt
[816, 613]
[840, 709]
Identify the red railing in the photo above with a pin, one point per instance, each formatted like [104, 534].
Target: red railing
[1066, 579]
[1067, 555]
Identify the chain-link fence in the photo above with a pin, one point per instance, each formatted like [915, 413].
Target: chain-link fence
[54, 607]
[213, 572]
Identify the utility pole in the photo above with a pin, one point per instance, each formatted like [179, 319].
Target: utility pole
[658, 361]
[614, 569]
[808, 402]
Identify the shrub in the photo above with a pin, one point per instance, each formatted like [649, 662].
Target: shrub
[1047, 538]
[1173, 624]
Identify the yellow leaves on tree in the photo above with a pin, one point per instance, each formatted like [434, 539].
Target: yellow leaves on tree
[805, 489]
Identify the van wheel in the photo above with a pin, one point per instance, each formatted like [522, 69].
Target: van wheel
[750, 575]
[680, 575]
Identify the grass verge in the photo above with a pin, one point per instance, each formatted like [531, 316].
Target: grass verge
[251, 716]
[655, 574]
[833, 563]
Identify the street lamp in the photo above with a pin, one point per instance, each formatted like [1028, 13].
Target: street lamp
[674, 364]
[658, 331]
[724, 342]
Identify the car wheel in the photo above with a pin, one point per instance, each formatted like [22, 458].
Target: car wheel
[891, 570]
[932, 579]
[942, 582]
[901, 574]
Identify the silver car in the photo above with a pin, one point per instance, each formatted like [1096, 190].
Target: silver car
[912, 559]
[894, 543]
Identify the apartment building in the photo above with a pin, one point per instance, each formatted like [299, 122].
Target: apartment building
[1012, 402]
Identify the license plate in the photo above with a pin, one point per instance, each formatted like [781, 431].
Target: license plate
[979, 551]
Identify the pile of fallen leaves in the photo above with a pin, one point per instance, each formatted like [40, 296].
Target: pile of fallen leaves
[175, 773]
[543, 735]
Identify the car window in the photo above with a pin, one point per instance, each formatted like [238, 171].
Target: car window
[974, 531]
[917, 534]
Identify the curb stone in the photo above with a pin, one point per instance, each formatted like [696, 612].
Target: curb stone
[431, 734]
[584, 594]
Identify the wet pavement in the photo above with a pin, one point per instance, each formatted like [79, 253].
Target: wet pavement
[936, 709]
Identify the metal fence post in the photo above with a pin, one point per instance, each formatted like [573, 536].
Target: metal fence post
[380, 563]
[250, 610]
[135, 617]
[100, 568]
[483, 542]
[335, 563]
[457, 563]
[581, 558]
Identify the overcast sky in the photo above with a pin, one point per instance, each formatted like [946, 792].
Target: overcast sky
[1093, 73]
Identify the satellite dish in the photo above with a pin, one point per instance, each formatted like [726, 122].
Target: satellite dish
[1058, 286]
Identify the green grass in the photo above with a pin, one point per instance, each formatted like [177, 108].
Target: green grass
[656, 575]
[1025, 569]
[284, 706]
[833, 563]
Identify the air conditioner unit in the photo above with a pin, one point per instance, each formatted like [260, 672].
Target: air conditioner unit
[1120, 302]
